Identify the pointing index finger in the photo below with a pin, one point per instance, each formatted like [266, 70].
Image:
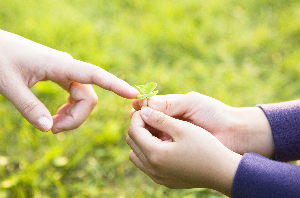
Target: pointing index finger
[98, 76]
[87, 73]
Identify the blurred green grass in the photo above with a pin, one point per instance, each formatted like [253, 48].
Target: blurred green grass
[240, 52]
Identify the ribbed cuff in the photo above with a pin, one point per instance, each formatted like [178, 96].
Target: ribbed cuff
[284, 119]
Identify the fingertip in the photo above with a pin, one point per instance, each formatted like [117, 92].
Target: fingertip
[135, 92]
[136, 120]
[125, 90]
[44, 124]
[132, 112]
[56, 130]
[128, 92]
[136, 104]
[132, 156]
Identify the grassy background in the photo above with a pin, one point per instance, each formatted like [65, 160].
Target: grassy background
[240, 52]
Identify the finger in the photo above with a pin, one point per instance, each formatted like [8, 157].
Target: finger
[172, 106]
[137, 162]
[168, 96]
[82, 101]
[31, 108]
[136, 150]
[132, 112]
[162, 136]
[64, 108]
[86, 73]
[143, 138]
[159, 134]
[164, 123]
[138, 103]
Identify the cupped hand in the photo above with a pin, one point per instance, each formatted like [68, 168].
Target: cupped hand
[240, 129]
[191, 158]
[23, 63]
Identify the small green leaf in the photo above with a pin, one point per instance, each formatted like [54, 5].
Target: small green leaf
[150, 87]
[152, 94]
[147, 91]
[142, 96]
[141, 88]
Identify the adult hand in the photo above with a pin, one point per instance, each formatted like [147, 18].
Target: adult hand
[193, 158]
[23, 63]
[242, 130]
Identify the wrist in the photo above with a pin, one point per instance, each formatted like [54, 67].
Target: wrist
[253, 130]
[228, 163]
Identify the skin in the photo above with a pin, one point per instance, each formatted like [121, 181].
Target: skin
[242, 130]
[195, 141]
[23, 63]
[192, 158]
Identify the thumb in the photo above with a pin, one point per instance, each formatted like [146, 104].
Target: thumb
[33, 110]
[163, 122]
[172, 106]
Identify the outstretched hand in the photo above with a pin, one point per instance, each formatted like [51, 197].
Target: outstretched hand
[23, 63]
[190, 158]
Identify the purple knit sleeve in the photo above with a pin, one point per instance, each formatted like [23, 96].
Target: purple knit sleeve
[284, 119]
[257, 176]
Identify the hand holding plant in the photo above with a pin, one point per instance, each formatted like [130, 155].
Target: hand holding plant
[240, 129]
[193, 159]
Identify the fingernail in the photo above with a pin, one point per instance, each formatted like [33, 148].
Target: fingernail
[146, 111]
[44, 124]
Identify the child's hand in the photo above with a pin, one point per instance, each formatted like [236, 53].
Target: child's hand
[23, 63]
[193, 158]
[240, 129]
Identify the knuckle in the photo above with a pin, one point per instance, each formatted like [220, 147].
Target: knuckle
[154, 160]
[168, 105]
[160, 118]
[94, 73]
[94, 99]
[28, 107]
[95, 76]
[192, 95]
[158, 180]
[67, 55]
[87, 92]
[192, 99]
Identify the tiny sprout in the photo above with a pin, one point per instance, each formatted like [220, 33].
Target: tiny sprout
[147, 91]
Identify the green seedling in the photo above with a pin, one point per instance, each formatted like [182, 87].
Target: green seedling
[147, 91]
